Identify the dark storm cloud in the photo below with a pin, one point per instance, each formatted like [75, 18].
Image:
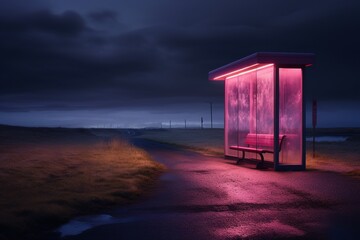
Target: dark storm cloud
[329, 35]
[38, 55]
[162, 50]
[104, 16]
[67, 24]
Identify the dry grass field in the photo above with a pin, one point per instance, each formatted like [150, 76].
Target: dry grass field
[341, 157]
[205, 141]
[48, 176]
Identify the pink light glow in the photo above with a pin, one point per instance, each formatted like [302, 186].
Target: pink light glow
[249, 71]
[242, 71]
[228, 75]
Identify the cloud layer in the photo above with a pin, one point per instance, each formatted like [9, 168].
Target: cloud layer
[142, 54]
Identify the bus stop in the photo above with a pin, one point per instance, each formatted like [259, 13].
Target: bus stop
[265, 109]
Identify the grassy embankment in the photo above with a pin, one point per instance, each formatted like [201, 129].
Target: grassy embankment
[205, 141]
[341, 157]
[48, 176]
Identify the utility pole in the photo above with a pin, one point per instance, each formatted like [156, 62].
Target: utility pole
[170, 123]
[314, 122]
[185, 123]
[211, 117]
[202, 122]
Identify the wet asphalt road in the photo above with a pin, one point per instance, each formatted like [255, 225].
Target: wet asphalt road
[203, 197]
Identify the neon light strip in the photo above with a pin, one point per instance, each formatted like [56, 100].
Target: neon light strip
[239, 70]
[251, 70]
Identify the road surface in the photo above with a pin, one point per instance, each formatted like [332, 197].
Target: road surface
[203, 197]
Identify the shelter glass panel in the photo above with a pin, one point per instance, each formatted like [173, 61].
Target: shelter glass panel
[290, 115]
[245, 82]
[231, 115]
[264, 108]
[249, 109]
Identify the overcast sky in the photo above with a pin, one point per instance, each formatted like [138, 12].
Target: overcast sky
[135, 63]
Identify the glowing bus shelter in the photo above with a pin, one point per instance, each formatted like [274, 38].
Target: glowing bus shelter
[265, 108]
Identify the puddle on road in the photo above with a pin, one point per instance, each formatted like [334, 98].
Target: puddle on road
[79, 225]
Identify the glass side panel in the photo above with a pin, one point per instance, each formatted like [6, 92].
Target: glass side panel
[244, 94]
[264, 109]
[265, 101]
[231, 115]
[290, 115]
[249, 109]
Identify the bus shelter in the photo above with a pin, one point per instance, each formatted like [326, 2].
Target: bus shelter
[265, 108]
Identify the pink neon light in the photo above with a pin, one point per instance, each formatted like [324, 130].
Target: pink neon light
[251, 70]
[239, 70]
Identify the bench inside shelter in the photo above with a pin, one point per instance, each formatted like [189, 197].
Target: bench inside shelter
[260, 144]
